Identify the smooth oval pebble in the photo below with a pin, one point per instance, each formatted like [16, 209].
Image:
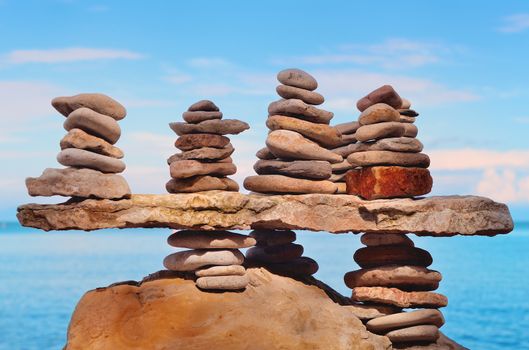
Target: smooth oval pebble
[79, 158]
[285, 184]
[378, 113]
[406, 319]
[190, 260]
[183, 169]
[410, 130]
[276, 253]
[193, 141]
[195, 239]
[203, 105]
[229, 270]
[384, 94]
[297, 78]
[94, 124]
[414, 334]
[222, 282]
[273, 237]
[203, 154]
[381, 158]
[77, 138]
[322, 134]
[375, 239]
[310, 97]
[395, 144]
[292, 145]
[200, 116]
[299, 109]
[375, 256]
[380, 131]
[406, 278]
[213, 126]
[97, 102]
[200, 184]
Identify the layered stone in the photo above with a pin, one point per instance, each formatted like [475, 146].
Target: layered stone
[317, 170]
[183, 169]
[201, 183]
[376, 256]
[215, 126]
[406, 319]
[396, 297]
[297, 78]
[307, 96]
[77, 138]
[395, 144]
[93, 123]
[196, 117]
[298, 108]
[97, 102]
[285, 184]
[323, 134]
[193, 141]
[384, 94]
[380, 131]
[79, 158]
[276, 253]
[190, 260]
[199, 239]
[378, 113]
[406, 278]
[203, 154]
[231, 282]
[292, 145]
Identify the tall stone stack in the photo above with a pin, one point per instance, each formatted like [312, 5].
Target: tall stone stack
[203, 165]
[92, 161]
[348, 139]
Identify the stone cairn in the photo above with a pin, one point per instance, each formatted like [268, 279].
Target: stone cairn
[393, 273]
[203, 165]
[87, 151]
[296, 160]
[348, 139]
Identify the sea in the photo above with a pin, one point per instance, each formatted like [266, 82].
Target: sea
[44, 274]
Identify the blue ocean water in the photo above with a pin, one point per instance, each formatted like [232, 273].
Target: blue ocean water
[43, 275]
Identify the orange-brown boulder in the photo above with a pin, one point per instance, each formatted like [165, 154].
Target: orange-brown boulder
[399, 298]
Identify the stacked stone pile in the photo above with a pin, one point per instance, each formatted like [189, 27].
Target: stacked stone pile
[348, 139]
[204, 161]
[387, 157]
[394, 275]
[87, 151]
[297, 158]
[276, 250]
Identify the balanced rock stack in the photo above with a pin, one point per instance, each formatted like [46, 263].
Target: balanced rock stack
[297, 157]
[348, 139]
[213, 256]
[87, 151]
[204, 161]
[387, 159]
[276, 250]
[394, 275]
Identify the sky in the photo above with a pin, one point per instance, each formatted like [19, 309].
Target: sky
[463, 64]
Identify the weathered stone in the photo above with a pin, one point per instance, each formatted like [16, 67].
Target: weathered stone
[380, 131]
[276, 253]
[384, 94]
[273, 237]
[80, 158]
[77, 138]
[410, 130]
[341, 167]
[297, 78]
[292, 145]
[434, 216]
[322, 134]
[190, 260]
[264, 153]
[288, 92]
[337, 177]
[408, 112]
[414, 334]
[204, 154]
[295, 267]
[381, 158]
[299, 109]
[407, 278]
[344, 151]
[203, 105]
[193, 141]
[375, 239]
[214, 126]
[347, 139]
[347, 128]
[225, 160]
[406, 319]
[406, 104]
[396, 297]
[83, 183]
[196, 239]
[201, 183]
[285, 184]
[97, 102]
[341, 187]
[375, 256]
[93, 123]
[395, 144]
[196, 117]
[183, 169]
[228, 270]
[406, 119]
[378, 113]
[269, 314]
[222, 282]
[308, 169]
[388, 182]
[370, 311]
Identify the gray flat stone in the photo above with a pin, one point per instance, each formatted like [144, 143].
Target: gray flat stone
[200, 184]
[414, 334]
[222, 282]
[215, 126]
[380, 131]
[193, 141]
[190, 260]
[395, 144]
[204, 154]
[93, 123]
[297, 78]
[200, 116]
[406, 319]
[372, 158]
[183, 169]
[307, 169]
[229, 270]
[79, 158]
[203, 105]
[286, 184]
[199, 239]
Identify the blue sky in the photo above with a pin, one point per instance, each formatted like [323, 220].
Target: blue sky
[462, 64]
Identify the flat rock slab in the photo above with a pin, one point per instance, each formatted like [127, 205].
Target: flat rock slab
[434, 216]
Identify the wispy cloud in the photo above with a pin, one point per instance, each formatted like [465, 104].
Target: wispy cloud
[505, 186]
[208, 62]
[476, 159]
[74, 54]
[23, 100]
[177, 77]
[515, 23]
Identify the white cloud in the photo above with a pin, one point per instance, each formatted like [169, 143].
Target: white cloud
[515, 23]
[476, 159]
[208, 62]
[73, 54]
[504, 186]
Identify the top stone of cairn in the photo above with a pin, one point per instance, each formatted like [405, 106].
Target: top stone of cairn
[384, 94]
[99, 103]
[203, 105]
[297, 78]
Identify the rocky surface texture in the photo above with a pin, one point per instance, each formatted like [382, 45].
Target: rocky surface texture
[434, 216]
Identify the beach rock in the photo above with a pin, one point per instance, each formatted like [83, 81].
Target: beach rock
[299, 109]
[414, 334]
[341, 167]
[347, 128]
[198, 239]
[388, 182]
[292, 145]
[375, 256]
[406, 278]
[97, 102]
[190, 260]
[406, 104]
[410, 130]
[369, 311]
[341, 187]
[380, 131]
[403, 159]
[310, 97]
[214, 126]
[201, 183]
[183, 169]
[307, 169]
[408, 112]
[196, 117]
[79, 158]
[222, 282]
[77, 138]
[322, 134]
[297, 78]
[295, 267]
[265, 154]
[285, 184]
[93, 123]
[406, 319]
[273, 237]
[378, 113]
[193, 141]
[83, 183]
[228, 270]
[203, 105]
[396, 297]
[406, 119]
[384, 94]
[276, 253]
[344, 151]
[204, 154]
[375, 239]
[395, 144]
